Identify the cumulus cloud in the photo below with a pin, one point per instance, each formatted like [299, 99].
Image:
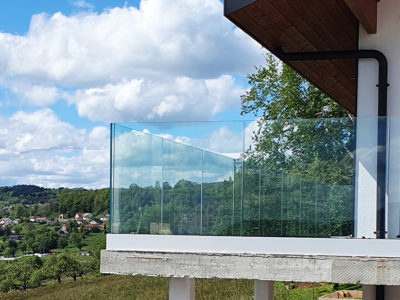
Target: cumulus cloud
[164, 60]
[176, 99]
[38, 148]
[35, 94]
[181, 37]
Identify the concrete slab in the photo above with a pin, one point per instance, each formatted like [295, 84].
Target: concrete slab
[301, 268]
[254, 245]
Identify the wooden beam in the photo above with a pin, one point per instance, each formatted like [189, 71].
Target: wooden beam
[366, 13]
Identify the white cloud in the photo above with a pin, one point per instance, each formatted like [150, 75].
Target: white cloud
[182, 37]
[38, 148]
[37, 95]
[82, 4]
[175, 99]
[164, 60]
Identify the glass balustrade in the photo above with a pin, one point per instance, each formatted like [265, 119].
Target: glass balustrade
[292, 178]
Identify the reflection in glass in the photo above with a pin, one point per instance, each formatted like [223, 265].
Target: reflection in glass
[281, 178]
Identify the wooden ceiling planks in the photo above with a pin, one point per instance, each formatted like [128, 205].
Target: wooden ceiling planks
[308, 25]
[366, 12]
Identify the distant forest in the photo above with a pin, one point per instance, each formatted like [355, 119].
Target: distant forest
[27, 200]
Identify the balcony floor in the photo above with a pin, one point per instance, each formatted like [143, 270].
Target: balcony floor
[332, 260]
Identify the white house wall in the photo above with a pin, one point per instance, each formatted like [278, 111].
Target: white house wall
[387, 40]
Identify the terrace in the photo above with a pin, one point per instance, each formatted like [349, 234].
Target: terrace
[242, 200]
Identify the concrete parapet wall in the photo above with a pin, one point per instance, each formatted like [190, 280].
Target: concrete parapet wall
[301, 268]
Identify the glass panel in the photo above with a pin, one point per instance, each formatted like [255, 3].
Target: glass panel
[217, 194]
[182, 175]
[258, 178]
[136, 181]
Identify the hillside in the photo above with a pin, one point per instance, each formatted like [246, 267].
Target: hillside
[134, 287]
[27, 200]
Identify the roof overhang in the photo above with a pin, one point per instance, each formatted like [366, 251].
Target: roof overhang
[312, 25]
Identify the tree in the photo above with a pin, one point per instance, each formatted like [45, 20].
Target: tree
[21, 271]
[303, 147]
[279, 92]
[54, 267]
[10, 252]
[23, 246]
[316, 153]
[74, 268]
[62, 242]
[76, 239]
[7, 230]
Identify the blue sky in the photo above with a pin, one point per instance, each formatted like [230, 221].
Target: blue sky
[70, 67]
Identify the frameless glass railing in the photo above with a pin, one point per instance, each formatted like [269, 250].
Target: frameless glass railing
[244, 178]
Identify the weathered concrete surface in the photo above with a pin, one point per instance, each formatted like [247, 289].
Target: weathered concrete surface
[263, 290]
[370, 271]
[181, 289]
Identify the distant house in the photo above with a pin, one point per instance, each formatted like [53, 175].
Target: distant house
[87, 216]
[38, 219]
[16, 221]
[93, 226]
[6, 221]
[95, 221]
[105, 218]
[79, 216]
[64, 229]
[8, 208]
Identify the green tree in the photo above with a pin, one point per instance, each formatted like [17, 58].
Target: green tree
[21, 271]
[62, 242]
[304, 147]
[74, 268]
[54, 267]
[279, 92]
[316, 153]
[10, 252]
[76, 239]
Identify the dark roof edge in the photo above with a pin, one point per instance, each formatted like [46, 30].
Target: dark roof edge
[230, 6]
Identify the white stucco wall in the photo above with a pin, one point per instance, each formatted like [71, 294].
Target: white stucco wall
[387, 40]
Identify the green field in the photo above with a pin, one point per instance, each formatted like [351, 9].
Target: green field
[134, 287]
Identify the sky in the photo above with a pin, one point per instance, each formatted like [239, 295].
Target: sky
[68, 68]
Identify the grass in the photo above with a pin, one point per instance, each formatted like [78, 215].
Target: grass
[91, 243]
[136, 287]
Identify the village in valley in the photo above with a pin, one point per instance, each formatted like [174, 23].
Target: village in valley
[43, 222]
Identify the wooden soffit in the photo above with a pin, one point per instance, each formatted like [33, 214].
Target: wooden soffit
[305, 25]
[366, 12]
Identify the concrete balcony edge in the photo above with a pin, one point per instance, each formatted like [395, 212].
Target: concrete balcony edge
[300, 268]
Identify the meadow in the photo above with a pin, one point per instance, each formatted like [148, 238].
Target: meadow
[136, 287]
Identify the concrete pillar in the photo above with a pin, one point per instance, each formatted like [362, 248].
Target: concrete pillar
[263, 290]
[392, 292]
[181, 288]
[368, 292]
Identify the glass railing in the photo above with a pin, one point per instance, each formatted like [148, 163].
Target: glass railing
[245, 178]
